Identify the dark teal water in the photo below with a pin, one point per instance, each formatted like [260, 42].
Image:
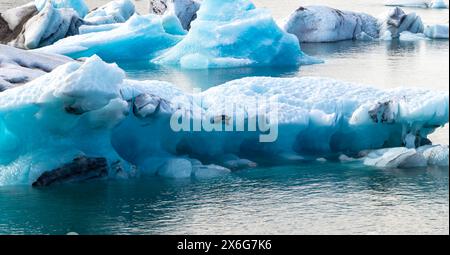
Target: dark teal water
[316, 198]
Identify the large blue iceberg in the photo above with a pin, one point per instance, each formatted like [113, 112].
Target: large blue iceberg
[233, 33]
[86, 118]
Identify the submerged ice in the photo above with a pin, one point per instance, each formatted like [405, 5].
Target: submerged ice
[88, 114]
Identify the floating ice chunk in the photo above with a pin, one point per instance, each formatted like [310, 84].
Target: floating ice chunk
[141, 37]
[78, 5]
[439, 4]
[436, 155]
[409, 158]
[176, 168]
[24, 27]
[396, 21]
[233, 162]
[117, 11]
[201, 171]
[325, 24]
[436, 31]
[408, 3]
[411, 37]
[185, 10]
[18, 67]
[88, 109]
[233, 33]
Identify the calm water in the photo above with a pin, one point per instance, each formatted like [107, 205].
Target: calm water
[302, 199]
[309, 199]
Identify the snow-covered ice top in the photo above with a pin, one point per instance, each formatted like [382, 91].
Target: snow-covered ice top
[141, 37]
[90, 109]
[78, 5]
[232, 33]
[117, 11]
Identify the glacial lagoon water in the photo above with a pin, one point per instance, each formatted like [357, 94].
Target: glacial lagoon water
[314, 198]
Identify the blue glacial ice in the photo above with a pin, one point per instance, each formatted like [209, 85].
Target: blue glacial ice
[234, 33]
[438, 31]
[89, 110]
[78, 5]
[117, 11]
[141, 37]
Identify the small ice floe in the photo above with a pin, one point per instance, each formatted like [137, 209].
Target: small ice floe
[434, 4]
[326, 24]
[403, 157]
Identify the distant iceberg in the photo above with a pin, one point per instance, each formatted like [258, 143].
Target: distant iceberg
[117, 11]
[25, 27]
[86, 120]
[435, 4]
[78, 5]
[141, 37]
[315, 24]
[234, 33]
[326, 24]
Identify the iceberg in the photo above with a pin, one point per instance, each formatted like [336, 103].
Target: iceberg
[436, 31]
[24, 27]
[18, 67]
[396, 21]
[402, 157]
[326, 24]
[439, 4]
[408, 3]
[117, 11]
[185, 10]
[234, 33]
[77, 5]
[85, 117]
[141, 37]
[436, 4]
